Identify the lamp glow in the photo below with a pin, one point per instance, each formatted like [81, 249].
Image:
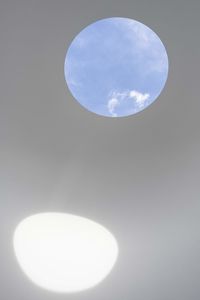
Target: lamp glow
[64, 253]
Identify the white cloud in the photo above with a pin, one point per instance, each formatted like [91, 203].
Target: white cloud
[139, 97]
[112, 104]
[121, 99]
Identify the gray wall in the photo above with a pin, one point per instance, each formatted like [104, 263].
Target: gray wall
[138, 176]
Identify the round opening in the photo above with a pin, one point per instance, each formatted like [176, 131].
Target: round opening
[116, 67]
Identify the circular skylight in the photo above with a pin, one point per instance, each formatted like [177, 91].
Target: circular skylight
[64, 253]
[116, 67]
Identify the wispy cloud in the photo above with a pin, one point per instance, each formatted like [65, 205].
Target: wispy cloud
[142, 41]
[112, 104]
[139, 97]
[120, 100]
[136, 32]
[141, 32]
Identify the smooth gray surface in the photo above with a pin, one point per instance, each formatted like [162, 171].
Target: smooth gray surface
[138, 176]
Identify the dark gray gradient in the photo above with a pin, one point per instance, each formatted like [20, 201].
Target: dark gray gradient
[138, 176]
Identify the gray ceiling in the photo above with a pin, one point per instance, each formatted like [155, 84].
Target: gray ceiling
[138, 176]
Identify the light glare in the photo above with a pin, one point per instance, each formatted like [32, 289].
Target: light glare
[64, 253]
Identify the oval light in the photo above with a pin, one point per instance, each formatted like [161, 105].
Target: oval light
[64, 253]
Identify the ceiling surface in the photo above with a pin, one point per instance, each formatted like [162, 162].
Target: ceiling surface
[138, 176]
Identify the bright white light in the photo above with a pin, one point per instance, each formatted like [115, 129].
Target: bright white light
[64, 253]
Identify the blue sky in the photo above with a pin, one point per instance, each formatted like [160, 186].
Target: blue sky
[116, 67]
